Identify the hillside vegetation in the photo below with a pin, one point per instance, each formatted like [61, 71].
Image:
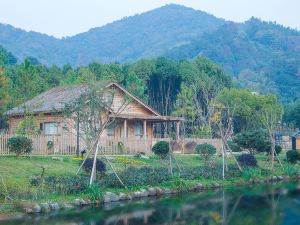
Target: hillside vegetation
[261, 55]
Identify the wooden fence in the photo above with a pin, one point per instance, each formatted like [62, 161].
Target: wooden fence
[66, 145]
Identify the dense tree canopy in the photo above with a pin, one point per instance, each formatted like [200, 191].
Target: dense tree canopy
[181, 88]
[160, 82]
[292, 114]
[250, 108]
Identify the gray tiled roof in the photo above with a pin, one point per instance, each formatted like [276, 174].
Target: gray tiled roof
[56, 98]
[49, 101]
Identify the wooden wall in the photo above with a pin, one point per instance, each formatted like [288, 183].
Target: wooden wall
[297, 143]
[132, 107]
[15, 120]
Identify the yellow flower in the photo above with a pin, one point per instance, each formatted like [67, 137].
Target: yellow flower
[77, 158]
[129, 161]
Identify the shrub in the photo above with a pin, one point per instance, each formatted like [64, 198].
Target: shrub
[278, 149]
[134, 176]
[234, 146]
[143, 176]
[19, 145]
[213, 171]
[292, 156]
[66, 184]
[206, 150]
[247, 160]
[88, 165]
[253, 141]
[161, 148]
[94, 193]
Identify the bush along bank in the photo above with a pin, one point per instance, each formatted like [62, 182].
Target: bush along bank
[95, 197]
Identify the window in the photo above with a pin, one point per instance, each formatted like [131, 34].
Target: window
[138, 128]
[51, 128]
[110, 130]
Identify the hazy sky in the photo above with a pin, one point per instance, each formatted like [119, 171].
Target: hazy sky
[68, 17]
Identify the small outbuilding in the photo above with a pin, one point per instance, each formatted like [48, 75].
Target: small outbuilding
[296, 140]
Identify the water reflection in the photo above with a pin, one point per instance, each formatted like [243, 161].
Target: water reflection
[279, 204]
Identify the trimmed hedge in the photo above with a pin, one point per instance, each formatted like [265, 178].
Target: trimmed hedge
[20, 145]
[293, 156]
[161, 148]
[247, 160]
[88, 165]
[206, 150]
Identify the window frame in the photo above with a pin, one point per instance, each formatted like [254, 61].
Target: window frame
[57, 125]
[110, 130]
[138, 126]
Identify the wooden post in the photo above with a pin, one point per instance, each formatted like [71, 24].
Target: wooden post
[145, 129]
[77, 138]
[145, 136]
[125, 129]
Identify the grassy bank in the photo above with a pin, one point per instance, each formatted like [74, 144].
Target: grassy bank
[17, 173]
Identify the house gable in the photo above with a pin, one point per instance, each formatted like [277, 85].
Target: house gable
[131, 104]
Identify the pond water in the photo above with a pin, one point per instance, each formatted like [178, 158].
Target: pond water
[268, 204]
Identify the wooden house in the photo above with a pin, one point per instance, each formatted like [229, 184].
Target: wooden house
[135, 122]
[296, 140]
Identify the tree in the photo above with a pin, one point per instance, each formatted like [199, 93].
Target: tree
[4, 86]
[270, 114]
[222, 119]
[27, 126]
[292, 114]
[6, 58]
[202, 82]
[253, 141]
[90, 113]
[246, 104]
[133, 83]
[27, 82]
[4, 96]
[185, 108]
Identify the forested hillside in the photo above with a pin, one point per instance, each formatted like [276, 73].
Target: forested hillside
[157, 81]
[145, 35]
[260, 55]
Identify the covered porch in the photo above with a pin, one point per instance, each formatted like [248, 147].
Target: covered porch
[135, 133]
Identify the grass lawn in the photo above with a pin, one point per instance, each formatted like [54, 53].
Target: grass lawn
[16, 173]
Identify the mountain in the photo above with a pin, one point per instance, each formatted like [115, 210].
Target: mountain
[261, 55]
[146, 35]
